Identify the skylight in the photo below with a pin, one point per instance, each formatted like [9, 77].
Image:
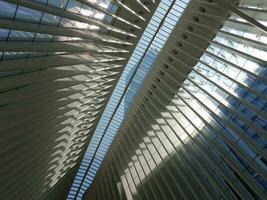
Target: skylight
[152, 41]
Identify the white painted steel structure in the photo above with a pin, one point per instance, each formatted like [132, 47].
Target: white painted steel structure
[133, 99]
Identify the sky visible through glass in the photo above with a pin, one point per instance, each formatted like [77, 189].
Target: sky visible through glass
[152, 41]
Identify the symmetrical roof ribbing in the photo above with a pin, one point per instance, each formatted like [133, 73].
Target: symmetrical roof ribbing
[147, 49]
[133, 99]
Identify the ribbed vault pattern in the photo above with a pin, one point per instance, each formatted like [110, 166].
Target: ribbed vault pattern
[150, 44]
[198, 127]
[59, 63]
